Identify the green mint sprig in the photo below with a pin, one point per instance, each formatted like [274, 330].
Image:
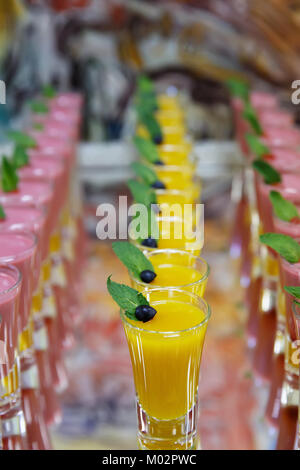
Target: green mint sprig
[39, 107]
[9, 177]
[284, 245]
[146, 149]
[38, 126]
[268, 172]
[145, 84]
[146, 173]
[2, 213]
[20, 157]
[256, 146]
[250, 115]
[152, 126]
[132, 258]
[127, 298]
[141, 193]
[21, 139]
[295, 292]
[49, 91]
[283, 209]
[238, 88]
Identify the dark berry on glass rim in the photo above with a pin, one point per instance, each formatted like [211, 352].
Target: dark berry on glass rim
[147, 276]
[150, 242]
[144, 313]
[158, 162]
[158, 185]
[158, 140]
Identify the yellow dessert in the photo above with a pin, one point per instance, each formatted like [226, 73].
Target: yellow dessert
[166, 355]
[175, 268]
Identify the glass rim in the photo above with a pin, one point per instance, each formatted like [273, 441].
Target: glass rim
[38, 207]
[17, 283]
[174, 251]
[171, 332]
[24, 233]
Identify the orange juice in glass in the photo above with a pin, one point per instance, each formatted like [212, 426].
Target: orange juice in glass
[176, 269]
[166, 356]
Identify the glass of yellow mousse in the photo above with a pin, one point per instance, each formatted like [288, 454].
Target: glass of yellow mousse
[176, 269]
[166, 355]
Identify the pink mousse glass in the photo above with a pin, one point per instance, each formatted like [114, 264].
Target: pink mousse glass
[19, 249]
[31, 219]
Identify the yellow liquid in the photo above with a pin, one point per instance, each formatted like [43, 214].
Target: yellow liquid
[175, 270]
[176, 154]
[181, 179]
[10, 383]
[171, 235]
[168, 103]
[170, 118]
[166, 367]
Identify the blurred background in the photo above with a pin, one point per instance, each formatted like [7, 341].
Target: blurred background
[99, 47]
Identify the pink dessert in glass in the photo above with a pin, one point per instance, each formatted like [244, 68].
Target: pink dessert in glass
[274, 118]
[19, 249]
[289, 188]
[27, 218]
[281, 136]
[10, 288]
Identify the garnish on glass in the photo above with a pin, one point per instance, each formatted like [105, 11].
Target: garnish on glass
[238, 88]
[2, 213]
[141, 193]
[284, 245]
[283, 209]
[295, 292]
[20, 157]
[268, 172]
[256, 146]
[9, 177]
[39, 107]
[135, 305]
[135, 261]
[152, 126]
[21, 139]
[148, 175]
[49, 91]
[250, 115]
[147, 149]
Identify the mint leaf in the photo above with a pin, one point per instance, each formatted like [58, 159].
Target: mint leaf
[256, 146]
[49, 91]
[145, 172]
[141, 193]
[39, 107]
[152, 126]
[9, 177]
[146, 148]
[285, 245]
[250, 115]
[293, 290]
[238, 88]
[2, 213]
[126, 297]
[270, 175]
[283, 209]
[145, 84]
[38, 126]
[132, 258]
[22, 139]
[20, 157]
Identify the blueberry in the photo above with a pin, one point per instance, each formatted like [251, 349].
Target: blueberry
[144, 313]
[150, 242]
[158, 139]
[158, 185]
[147, 276]
[158, 162]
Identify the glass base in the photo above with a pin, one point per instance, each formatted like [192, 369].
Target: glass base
[173, 434]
